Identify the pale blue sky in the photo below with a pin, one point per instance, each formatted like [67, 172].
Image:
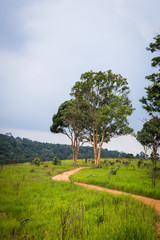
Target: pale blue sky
[45, 45]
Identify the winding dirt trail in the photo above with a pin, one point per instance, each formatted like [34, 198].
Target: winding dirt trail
[149, 201]
[65, 175]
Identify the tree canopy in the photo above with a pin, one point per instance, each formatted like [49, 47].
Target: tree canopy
[151, 133]
[151, 103]
[144, 139]
[104, 103]
[68, 121]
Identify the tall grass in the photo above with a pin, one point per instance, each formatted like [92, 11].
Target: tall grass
[128, 178]
[36, 207]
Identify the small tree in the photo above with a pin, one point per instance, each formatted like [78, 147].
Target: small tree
[129, 155]
[152, 132]
[37, 161]
[152, 129]
[56, 161]
[144, 139]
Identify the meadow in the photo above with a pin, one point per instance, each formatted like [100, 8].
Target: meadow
[32, 206]
[122, 175]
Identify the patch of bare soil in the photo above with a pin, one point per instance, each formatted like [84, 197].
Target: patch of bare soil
[149, 201]
[3, 214]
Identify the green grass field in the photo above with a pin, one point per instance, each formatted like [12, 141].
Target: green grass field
[129, 178]
[32, 206]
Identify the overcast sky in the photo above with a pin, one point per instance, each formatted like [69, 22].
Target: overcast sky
[45, 45]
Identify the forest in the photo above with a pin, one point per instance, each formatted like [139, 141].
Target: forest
[18, 150]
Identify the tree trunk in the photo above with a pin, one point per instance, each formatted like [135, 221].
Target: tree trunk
[154, 152]
[100, 146]
[95, 156]
[75, 150]
[76, 154]
[145, 153]
[74, 160]
[97, 152]
[94, 148]
[154, 160]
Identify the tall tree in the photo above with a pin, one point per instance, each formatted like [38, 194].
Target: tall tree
[151, 103]
[68, 121]
[103, 100]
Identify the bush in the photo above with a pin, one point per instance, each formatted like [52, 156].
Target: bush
[36, 161]
[139, 162]
[114, 171]
[32, 170]
[56, 161]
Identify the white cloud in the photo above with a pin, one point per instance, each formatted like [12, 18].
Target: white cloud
[126, 144]
[41, 136]
[63, 40]
[144, 14]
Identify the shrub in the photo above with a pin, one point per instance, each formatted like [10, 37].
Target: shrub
[56, 161]
[32, 170]
[140, 162]
[36, 161]
[114, 171]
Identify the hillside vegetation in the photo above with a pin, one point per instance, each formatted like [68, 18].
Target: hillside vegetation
[17, 150]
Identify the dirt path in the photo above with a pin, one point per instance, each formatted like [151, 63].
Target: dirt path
[65, 176]
[149, 201]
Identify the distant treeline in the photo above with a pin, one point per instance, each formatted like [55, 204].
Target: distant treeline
[18, 150]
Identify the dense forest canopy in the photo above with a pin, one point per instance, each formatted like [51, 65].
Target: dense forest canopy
[18, 150]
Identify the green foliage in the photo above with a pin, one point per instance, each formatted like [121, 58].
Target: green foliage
[32, 170]
[139, 162]
[24, 150]
[113, 171]
[104, 103]
[129, 155]
[68, 117]
[143, 138]
[130, 177]
[26, 220]
[151, 103]
[152, 129]
[38, 208]
[150, 136]
[69, 121]
[36, 161]
[56, 161]
[103, 96]
[59, 125]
